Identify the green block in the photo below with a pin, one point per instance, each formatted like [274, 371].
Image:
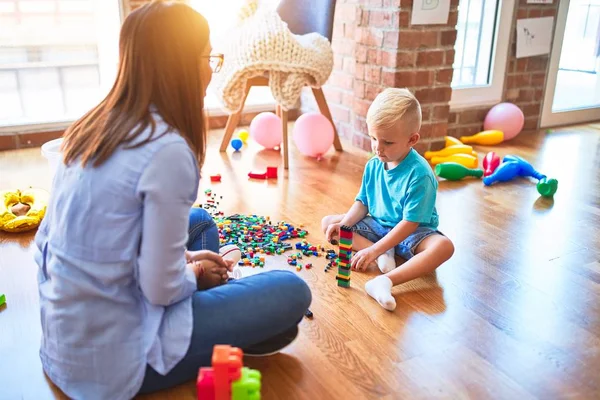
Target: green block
[345, 241]
[344, 272]
[2, 300]
[345, 284]
[248, 386]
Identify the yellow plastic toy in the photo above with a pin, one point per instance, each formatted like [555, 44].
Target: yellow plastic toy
[464, 159]
[243, 136]
[448, 151]
[486, 138]
[22, 211]
[451, 141]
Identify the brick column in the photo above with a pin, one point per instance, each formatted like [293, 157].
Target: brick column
[376, 47]
[524, 83]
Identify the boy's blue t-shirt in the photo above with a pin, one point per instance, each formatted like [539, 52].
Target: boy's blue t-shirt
[406, 192]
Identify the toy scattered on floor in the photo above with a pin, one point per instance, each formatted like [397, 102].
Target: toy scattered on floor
[243, 136]
[486, 138]
[237, 144]
[2, 300]
[506, 118]
[308, 313]
[271, 173]
[452, 141]
[215, 178]
[211, 204]
[22, 211]
[490, 163]
[266, 129]
[313, 134]
[228, 379]
[450, 150]
[467, 160]
[454, 171]
[345, 253]
[513, 166]
[257, 236]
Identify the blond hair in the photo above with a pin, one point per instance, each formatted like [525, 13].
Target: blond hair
[392, 106]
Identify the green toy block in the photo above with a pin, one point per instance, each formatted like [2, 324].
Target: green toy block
[345, 241]
[248, 386]
[2, 300]
[344, 272]
[343, 283]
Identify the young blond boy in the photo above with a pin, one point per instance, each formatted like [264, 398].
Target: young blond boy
[394, 211]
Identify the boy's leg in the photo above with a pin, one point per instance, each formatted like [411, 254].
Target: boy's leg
[203, 232]
[432, 252]
[237, 314]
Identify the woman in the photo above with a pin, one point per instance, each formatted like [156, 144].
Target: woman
[122, 305]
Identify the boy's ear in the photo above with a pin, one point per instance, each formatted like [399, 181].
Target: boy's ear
[414, 138]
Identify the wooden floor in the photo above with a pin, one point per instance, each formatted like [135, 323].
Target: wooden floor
[515, 314]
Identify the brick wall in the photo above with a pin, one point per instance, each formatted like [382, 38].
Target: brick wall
[376, 47]
[524, 83]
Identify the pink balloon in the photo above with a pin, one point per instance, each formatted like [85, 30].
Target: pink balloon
[266, 130]
[313, 134]
[505, 117]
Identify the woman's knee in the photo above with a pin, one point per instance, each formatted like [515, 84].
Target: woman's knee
[297, 291]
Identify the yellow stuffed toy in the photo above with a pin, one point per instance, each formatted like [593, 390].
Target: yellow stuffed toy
[21, 211]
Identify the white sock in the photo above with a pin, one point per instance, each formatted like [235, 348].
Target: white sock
[386, 262]
[380, 289]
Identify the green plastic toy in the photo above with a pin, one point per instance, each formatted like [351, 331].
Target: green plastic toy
[547, 187]
[248, 386]
[2, 300]
[454, 171]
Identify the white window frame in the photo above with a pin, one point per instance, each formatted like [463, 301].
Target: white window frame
[491, 94]
[106, 51]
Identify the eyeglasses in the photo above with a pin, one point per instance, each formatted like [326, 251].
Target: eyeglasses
[215, 61]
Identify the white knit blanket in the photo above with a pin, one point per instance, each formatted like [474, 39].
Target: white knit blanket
[263, 45]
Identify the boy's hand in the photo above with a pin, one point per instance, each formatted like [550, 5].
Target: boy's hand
[333, 232]
[362, 259]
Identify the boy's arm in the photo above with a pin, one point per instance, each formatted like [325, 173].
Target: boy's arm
[356, 213]
[400, 232]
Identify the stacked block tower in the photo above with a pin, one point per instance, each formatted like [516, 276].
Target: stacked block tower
[345, 252]
[228, 379]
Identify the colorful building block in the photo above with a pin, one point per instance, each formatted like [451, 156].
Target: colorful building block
[344, 255]
[228, 379]
[248, 386]
[205, 384]
[227, 364]
[2, 300]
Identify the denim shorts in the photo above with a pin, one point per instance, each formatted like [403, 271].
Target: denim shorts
[373, 231]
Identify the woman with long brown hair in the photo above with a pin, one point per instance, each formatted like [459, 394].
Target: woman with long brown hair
[131, 284]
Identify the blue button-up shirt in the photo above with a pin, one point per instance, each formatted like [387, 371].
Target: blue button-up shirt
[115, 293]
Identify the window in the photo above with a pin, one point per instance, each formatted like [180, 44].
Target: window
[481, 50]
[57, 59]
[221, 16]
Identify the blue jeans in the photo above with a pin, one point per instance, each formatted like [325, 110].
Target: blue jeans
[203, 232]
[374, 231]
[240, 313]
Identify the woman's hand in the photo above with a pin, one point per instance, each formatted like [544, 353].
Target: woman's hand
[209, 267]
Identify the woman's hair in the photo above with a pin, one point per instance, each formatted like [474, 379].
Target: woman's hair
[160, 49]
[394, 105]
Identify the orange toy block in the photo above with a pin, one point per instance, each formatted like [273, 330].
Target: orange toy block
[227, 365]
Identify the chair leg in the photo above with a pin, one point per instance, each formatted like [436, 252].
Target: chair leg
[324, 108]
[232, 123]
[284, 143]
